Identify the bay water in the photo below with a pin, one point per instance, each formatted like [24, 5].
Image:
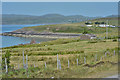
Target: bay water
[11, 40]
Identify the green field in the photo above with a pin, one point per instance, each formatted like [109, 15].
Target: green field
[68, 49]
[78, 28]
[47, 52]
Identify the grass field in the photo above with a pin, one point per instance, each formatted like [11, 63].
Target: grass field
[47, 52]
[71, 49]
[77, 28]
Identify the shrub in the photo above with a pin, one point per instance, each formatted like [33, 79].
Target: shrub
[82, 51]
[114, 40]
[85, 32]
[7, 56]
[29, 54]
[49, 48]
[92, 41]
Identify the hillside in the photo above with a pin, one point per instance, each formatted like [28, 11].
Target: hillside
[45, 19]
[74, 28]
[68, 49]
[96, 58]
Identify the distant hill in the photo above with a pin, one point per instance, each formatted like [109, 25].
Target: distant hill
[48, 18]
[112, 16]
[70, 28]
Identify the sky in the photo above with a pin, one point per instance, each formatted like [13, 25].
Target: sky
[60, 0]
[91, 9]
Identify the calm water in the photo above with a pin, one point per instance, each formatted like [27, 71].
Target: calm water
[9, 28]
[10, 40]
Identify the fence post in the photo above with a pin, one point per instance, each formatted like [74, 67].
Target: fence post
[114, 52]
[26, 61]
[23, 61]
[34, 65]
[45, 64]
[1, 63]
[18, 66]
[68, 63]
[77, 62]
[105, 54]
[101, 58]
[84, 60]
[6, 65]
[57, 61]
[59, 64]
[27, 66]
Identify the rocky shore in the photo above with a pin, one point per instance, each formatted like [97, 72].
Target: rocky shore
[45, 35]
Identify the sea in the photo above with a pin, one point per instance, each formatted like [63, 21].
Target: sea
[8, 41]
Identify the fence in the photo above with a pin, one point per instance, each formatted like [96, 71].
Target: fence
[59, 67]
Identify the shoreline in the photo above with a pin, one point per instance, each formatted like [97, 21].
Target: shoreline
[42, 35]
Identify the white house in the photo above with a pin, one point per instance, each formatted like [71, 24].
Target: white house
[92, 36]
[89, 25]
[103, 25]
[112, 26]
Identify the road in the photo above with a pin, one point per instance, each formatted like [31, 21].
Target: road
[114, 76]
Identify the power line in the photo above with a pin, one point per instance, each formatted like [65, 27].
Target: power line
[107, 30]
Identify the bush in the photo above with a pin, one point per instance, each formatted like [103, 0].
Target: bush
[7, 56]
[92, 41]
[114, 40]
[85, 32]
[82, 51]
[49, 48]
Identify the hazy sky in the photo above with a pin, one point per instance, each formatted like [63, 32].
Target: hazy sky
[60, 0]
[64, 8]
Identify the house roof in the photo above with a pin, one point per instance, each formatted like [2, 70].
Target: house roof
[91, 35]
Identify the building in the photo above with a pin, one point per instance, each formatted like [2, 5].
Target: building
[32, 41]
[87, 36]
[112, 26]
[103, 25]
[89, 25]
[92, 36]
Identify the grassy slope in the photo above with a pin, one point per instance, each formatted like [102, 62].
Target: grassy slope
[39, 53]
[67, 49]
[77, 28]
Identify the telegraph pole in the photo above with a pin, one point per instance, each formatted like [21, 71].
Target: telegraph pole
[107, 30]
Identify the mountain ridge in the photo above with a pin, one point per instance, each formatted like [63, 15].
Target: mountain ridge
[44, 19]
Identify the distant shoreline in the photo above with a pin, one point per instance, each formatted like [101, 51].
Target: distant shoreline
[43, 35]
